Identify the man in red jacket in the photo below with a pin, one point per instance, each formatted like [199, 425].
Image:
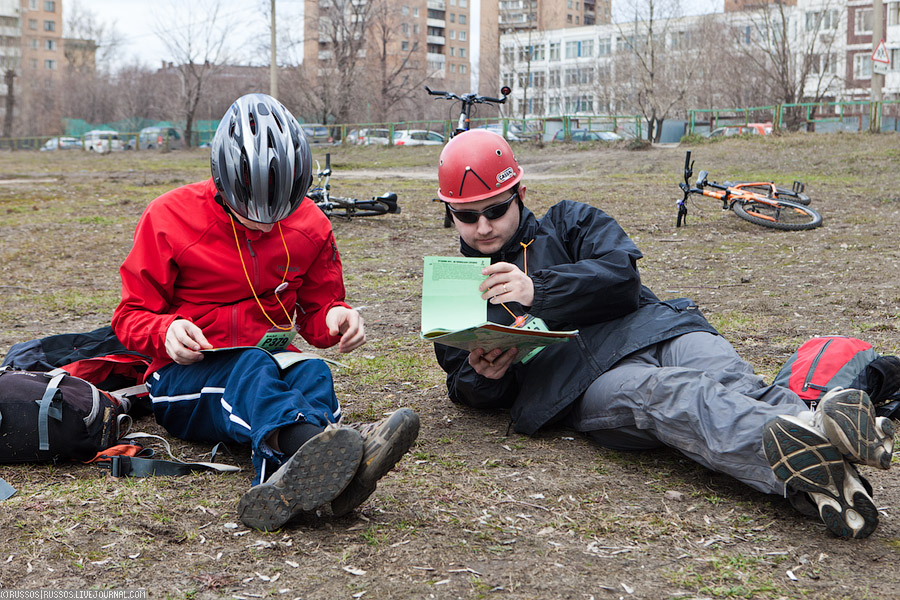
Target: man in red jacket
[241, 260]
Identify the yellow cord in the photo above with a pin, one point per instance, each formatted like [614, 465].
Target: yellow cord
[247, 276]
[520, 320]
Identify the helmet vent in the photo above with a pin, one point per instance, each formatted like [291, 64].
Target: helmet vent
[274, 194]
[252, 123]
[278, 122]
[499, 152]
[270, 138]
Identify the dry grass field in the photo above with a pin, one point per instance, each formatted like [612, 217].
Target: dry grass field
[472, 511]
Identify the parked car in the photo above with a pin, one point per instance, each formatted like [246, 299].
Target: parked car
[748, 129]
[102, 140]
[163, 138]
[316, 134]
[586, 135]
[61, 143]
[417, 137]
[512, 133]
[369, 137]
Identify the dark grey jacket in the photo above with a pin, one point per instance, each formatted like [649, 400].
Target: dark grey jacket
[584, 269]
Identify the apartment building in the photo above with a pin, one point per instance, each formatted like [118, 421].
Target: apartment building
[41, 38]
[10, 38]
[552, 14]
[446, 44]
[746, 5]
[587, 70]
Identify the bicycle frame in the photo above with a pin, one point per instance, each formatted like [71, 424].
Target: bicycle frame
[765, 209]
[347, 207]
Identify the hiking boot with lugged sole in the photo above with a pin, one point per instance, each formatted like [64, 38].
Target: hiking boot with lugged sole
[848, 418]
[806, 461]
[312, 477]
[386, 441]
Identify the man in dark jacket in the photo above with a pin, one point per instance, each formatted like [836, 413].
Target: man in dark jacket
[643, 373]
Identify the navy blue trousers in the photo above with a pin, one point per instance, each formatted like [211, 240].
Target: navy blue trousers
[242, 396]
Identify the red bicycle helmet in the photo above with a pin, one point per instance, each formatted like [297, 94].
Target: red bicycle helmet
[475, 165]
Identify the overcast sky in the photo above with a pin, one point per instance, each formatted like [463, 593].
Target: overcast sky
[136, 20]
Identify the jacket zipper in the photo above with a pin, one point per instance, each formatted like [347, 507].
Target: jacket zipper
[812, 369]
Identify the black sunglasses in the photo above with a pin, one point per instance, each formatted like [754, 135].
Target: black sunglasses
[491, 212]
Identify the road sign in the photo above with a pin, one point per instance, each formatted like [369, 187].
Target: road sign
[881, 60]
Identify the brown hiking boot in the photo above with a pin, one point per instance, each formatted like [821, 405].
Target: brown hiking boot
[385, 442]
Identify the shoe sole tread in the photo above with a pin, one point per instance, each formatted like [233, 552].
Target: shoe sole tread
[807, 462]
[851, 424]
[315, 475]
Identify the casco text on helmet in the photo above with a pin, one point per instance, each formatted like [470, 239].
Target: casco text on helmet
[260, 159]
[475, 165]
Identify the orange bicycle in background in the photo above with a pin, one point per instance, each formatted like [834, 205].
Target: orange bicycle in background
[761, 203]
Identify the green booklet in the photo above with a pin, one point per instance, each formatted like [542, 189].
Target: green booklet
[454, 314]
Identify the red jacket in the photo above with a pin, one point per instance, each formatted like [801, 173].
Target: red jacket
[185, 265]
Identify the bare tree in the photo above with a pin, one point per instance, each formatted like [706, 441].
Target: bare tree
[196, 43]
[102, 42]
[89, 51]
[398, 72]
[332, 84]
[9, 65]
[792, 67]
[141, 94]
[655, 57]
[527, 47]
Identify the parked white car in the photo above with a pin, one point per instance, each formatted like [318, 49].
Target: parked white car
[369, 137]
[417, 137]
[102, 141]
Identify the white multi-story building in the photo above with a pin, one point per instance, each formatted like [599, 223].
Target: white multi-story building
[594, 70]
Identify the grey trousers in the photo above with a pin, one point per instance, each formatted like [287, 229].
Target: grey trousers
[692, 393]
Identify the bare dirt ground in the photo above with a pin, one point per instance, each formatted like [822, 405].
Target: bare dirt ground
[472, 512]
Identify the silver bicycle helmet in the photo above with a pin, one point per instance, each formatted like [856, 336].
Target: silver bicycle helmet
[260, 159]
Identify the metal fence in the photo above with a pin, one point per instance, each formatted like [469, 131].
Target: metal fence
[818, 117]
[812, 117]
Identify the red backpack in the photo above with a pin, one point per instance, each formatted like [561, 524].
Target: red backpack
[823, 363]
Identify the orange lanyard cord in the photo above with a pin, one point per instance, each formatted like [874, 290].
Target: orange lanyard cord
[247, 276]
[519, 321]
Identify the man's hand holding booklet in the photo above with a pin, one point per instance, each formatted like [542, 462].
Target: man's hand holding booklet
[454, 314]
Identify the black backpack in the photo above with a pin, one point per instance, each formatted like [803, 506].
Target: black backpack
[55, 416]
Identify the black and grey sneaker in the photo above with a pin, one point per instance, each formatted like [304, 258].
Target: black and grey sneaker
[386, 441]
[848, 418]
[312, 477]
[806, 461]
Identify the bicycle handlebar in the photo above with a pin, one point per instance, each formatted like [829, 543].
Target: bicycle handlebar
[467, 98]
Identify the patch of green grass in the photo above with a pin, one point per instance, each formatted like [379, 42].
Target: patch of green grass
[728, 576]
[730, 320]
[79, 301]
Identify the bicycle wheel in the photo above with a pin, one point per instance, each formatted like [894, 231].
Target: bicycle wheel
[777, 214]
[351, 207]
[783, 193]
